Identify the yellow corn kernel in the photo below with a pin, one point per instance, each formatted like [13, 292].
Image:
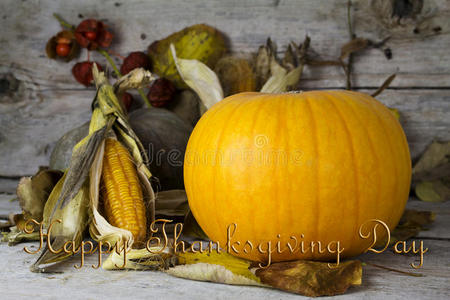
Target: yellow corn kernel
[122, 193]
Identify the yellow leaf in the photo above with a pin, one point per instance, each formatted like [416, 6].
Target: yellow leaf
[200, 42]
[217, 267]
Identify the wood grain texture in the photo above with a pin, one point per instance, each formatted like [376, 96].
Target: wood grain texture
[377, 283]
[39, 99]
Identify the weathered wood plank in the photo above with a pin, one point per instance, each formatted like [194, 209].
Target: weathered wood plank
[39, 100]
[377, 283]
[30, 128]
[419, 61]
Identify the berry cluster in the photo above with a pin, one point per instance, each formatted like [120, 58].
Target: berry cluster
[94, 35]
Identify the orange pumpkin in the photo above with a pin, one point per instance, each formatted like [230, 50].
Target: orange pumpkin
[313, 165]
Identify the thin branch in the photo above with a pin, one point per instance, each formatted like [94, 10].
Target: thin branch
[394, 270]
[111, 61]
[385, 84]
[116, 70]
[63, 22]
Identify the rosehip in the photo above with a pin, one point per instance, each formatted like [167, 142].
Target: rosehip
[127, 100]
[90, 35]
[161, 92]
[62, 49]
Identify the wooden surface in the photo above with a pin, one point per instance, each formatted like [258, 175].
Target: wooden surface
[18, 281]
[39, 99]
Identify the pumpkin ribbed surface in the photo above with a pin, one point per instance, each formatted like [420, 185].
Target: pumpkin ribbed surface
[314, 165]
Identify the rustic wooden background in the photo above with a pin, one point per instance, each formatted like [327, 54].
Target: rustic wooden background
[39, 99]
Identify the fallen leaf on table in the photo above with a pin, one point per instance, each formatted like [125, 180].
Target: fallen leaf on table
[198, 42]
[158, 258]
[214, 267]
[16, 236]
[411, 223]
[34, 191]
[433, 191]
[310, 278]
[431, 173]
[436, 154]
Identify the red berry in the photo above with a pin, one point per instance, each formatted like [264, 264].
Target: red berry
[82, 72]
[135, 60]
[90, 35]
[127, 100]
[161, 92]
[62, 49]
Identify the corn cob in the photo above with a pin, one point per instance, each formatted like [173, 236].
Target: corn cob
[122, 193]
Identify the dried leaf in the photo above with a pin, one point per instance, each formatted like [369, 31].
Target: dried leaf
[395, 112]
[312, 278]
[200, 78]
[34, 191]
[433, 191]
[290, 58]
[281, 81]
[215, 267]
[158, 258]
[74, 218]
[134, 79]
[262, 64]
[198, 42]
[411, 223]
[431, 174]
[436, 154]
[236, 75]
[16, 236]
[354, 45]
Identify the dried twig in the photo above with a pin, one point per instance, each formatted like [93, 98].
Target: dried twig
[385, 84]
[393, 270]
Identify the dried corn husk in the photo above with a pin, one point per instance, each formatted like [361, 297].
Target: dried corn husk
[108, 105]
[154, 258]
[74, 199]
[200, 78]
